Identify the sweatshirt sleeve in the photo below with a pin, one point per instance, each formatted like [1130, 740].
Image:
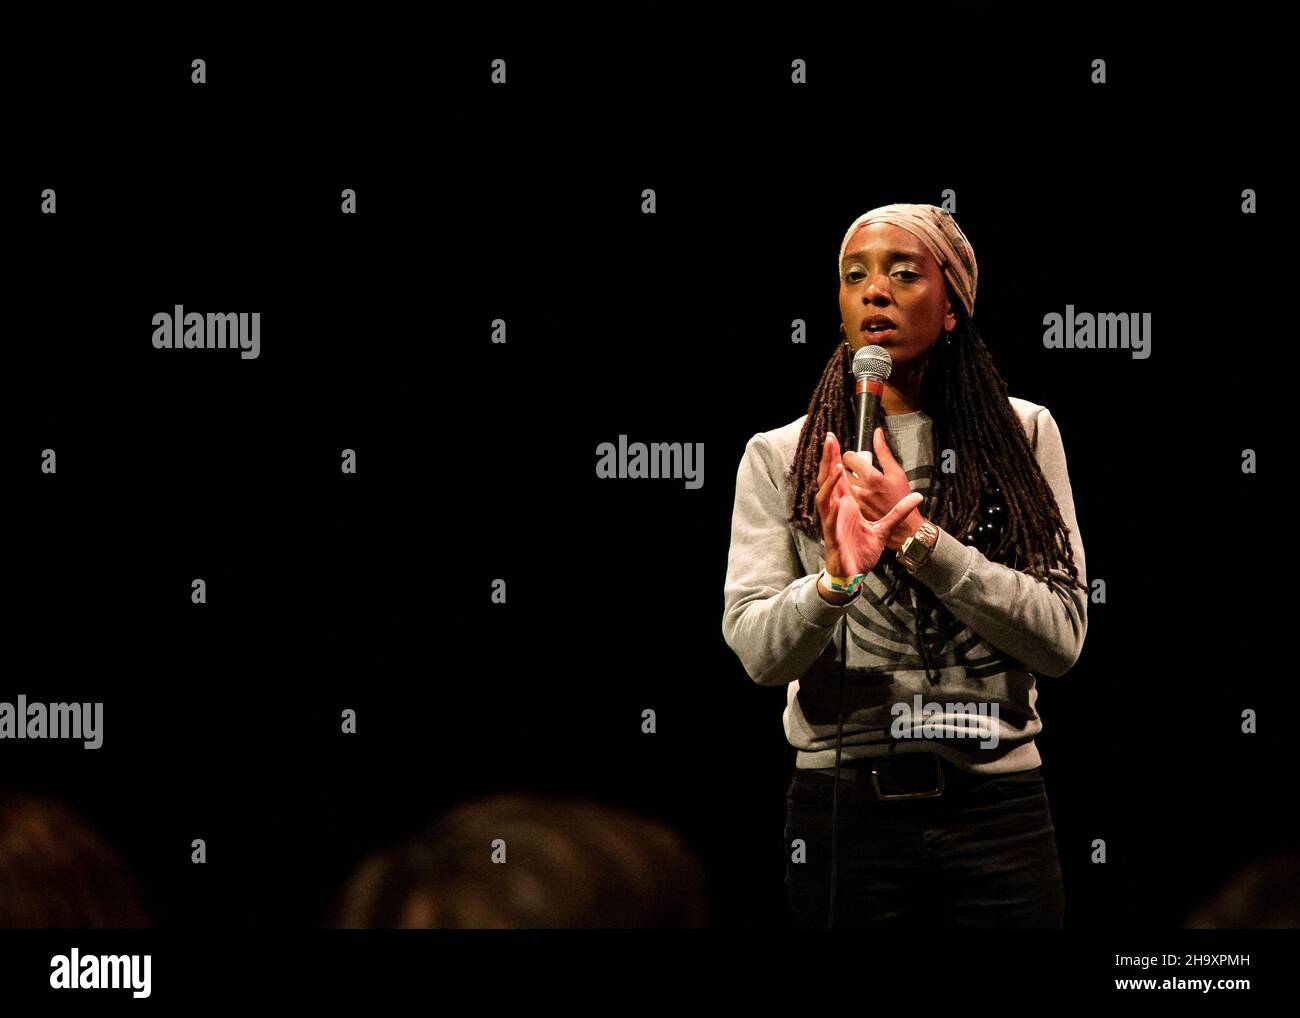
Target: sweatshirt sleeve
[1040, 624]
[773, 617]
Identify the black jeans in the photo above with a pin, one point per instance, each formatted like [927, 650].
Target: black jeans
[981, 857]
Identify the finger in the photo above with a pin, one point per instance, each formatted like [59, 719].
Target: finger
[830, 456]
[861, 490]
[850, 534]
[905, 505]
[863, 497]
[842, 485]
[828, 485]
[833, 450]
[830, 522]
[824, 466]
[858, 463]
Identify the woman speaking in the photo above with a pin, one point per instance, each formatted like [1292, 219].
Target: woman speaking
[908, 602]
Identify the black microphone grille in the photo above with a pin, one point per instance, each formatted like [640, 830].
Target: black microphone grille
[872, 362]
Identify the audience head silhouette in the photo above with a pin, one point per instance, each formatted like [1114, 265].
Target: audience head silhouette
[525, 862]
[57, 873]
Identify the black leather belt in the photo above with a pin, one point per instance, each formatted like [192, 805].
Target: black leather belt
[906, 776]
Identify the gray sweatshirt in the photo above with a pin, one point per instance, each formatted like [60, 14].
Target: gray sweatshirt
[995, 628]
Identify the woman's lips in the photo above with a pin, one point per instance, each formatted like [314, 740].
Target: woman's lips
[876, 335]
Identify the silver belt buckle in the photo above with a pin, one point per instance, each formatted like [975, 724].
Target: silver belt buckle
[938, 790]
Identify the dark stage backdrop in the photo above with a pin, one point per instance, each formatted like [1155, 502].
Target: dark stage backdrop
[476, 460]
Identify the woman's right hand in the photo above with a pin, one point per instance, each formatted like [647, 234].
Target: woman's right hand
[852, 543]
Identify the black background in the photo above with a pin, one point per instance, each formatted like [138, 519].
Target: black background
[522, 203]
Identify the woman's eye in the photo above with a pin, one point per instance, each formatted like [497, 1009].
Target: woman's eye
[905, 272]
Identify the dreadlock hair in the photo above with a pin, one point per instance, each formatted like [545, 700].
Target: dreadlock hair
[966, 397]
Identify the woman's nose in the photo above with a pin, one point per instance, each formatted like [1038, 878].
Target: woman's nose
[877, 289]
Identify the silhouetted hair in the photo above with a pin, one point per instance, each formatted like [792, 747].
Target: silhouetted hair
[1262, 895]
[569, 864]
[56, 872]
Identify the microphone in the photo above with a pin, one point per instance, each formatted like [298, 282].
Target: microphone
[871, 367]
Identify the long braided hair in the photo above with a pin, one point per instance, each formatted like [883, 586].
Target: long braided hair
[997, 476]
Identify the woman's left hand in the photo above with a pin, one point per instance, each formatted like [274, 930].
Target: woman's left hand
[878, 491]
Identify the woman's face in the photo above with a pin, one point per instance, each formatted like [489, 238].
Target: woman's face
[888, 272]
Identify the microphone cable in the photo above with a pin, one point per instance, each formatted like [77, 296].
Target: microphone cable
[839, 742]
[835, 792]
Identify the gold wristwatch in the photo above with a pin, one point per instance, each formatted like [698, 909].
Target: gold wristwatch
[917, 548]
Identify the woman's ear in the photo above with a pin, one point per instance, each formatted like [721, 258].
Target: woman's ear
[950, 316]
